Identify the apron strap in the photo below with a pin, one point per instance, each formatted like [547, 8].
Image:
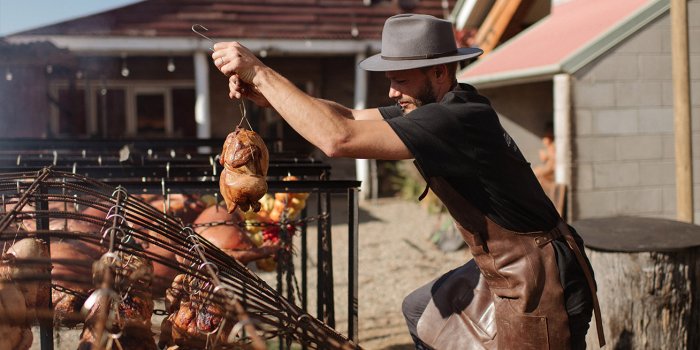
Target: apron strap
[589, 278]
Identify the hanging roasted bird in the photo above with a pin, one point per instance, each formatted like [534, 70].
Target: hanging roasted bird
[245, 159]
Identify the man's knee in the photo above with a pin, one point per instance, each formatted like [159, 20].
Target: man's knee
[414, 305]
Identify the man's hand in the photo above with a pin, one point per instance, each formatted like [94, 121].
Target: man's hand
[233, 58]
[239, 89]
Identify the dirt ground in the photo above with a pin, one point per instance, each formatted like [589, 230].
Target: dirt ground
[395, 257]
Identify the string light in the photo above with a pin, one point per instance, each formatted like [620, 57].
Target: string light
[125, 69]
[171, 65]
[354, 31]
[8, 75]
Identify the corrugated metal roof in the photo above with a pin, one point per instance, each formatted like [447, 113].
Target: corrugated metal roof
[246, 19]
[574, 33]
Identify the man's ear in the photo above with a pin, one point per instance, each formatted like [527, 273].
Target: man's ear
[440, 71]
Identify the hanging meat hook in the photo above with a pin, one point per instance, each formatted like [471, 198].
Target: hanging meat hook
[194, 29]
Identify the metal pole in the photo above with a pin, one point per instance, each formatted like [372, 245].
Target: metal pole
[353, 223]
[42, 223]
[681, 108]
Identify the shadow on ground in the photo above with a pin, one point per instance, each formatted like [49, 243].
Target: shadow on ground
[339, 210]
[400, 347]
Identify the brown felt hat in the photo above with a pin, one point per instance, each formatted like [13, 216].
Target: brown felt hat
[413, 41]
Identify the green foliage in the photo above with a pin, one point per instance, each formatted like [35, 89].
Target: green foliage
[410, 185]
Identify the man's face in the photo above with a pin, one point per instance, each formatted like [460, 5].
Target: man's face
[411, 88]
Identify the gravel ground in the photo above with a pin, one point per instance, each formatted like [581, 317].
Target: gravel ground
[395, 257]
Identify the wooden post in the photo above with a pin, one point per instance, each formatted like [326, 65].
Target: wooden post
[681, 109]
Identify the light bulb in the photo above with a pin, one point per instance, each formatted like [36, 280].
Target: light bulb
[8, 75]
[125, 71]
[171, 65]
[263, 53]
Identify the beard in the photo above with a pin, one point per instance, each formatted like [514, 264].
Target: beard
[423, 97]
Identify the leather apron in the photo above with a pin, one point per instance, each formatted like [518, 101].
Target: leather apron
[517, 300]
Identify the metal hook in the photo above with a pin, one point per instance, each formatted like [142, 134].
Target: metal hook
[55, 157]
[213, 165]
[202, 35]
[214, 267]
[19, 159]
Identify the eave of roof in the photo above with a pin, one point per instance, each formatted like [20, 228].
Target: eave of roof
[502, 67]
[292, 26]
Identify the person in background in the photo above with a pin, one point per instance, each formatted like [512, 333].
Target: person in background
[529, 285]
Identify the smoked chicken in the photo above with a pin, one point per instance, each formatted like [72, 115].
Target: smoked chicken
[245, 159]
[132, 314]
[73, 277]
[194, 318]
[15, 333]
[24, 288]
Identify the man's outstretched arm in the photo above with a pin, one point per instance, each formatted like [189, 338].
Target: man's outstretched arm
[335, 129]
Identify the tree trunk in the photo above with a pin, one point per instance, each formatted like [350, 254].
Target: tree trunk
[649, 300]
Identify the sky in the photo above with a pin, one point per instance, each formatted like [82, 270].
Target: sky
[19, 15]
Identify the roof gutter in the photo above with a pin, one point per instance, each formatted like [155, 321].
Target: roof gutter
[158, 45]
[520, 76]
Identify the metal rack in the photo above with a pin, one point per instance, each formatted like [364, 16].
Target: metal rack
[166, 169]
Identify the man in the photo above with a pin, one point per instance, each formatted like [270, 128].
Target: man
[527, 285]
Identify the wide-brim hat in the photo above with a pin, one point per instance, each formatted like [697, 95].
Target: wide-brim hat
[414, 41]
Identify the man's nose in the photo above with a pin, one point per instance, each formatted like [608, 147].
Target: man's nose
[393, 93]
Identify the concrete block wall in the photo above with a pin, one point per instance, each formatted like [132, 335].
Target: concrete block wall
[623, 151]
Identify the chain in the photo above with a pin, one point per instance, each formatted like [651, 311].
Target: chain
[63, 289]
[263, 224]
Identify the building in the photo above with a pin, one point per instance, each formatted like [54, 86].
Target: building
[601, 72]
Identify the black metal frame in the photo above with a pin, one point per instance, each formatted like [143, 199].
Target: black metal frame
[198, 174]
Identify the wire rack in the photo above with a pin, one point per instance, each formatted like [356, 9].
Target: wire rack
[111, 232]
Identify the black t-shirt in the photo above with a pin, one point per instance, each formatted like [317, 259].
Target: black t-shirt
[461, 139]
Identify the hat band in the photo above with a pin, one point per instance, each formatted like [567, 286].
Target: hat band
[419, 57]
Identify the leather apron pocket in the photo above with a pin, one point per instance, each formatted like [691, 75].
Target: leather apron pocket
[518, 331]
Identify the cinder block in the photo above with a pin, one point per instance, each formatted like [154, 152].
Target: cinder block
[594, 95]
[693, 38]
[655, 66]
[695, 93]
[656, 120]
[583, 176]
[638, 93]
[615, 122]
[657, 173]
[693, 13]
[669, 193]
[583, 122]
[666, 35]
[647, 40]
[599, 148]
[669, 146]
[695, 66]
[667, 93]
[637, 147]
[615, 175]
[643, 201]
[617, 67]
[695, 144]
[594, 204]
